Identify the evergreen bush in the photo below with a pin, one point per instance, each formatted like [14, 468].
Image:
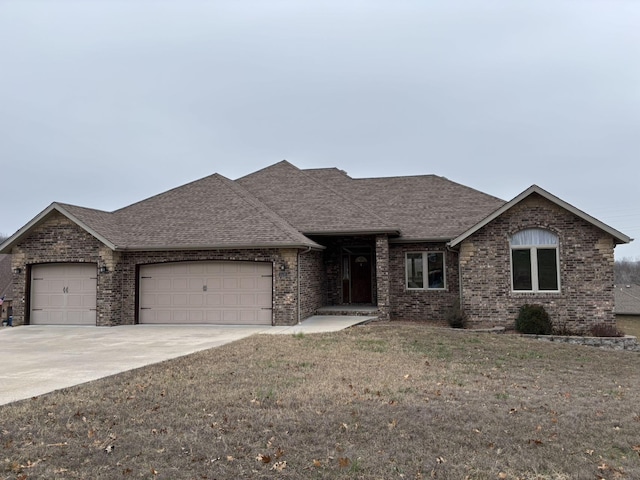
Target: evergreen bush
[533, 319]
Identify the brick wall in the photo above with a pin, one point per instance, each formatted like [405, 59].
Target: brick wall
[421, 305]
[382, 282]
[586, 269]
[59, 240]
[313, 283]
[284, 280]
[56, 240]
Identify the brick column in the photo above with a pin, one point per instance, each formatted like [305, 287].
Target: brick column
[382, 276]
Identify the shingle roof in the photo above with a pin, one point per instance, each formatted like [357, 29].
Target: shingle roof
[426, 207]
[281, 204]
[627, 299]
[310, 205]
[211, 212]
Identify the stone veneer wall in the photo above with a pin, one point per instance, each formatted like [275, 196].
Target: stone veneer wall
[421, 305]
[313, 282]
[586, 269]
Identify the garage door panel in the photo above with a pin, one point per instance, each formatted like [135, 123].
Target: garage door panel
[180, 300]
[196, 300]
[217, 292]
[63, 294]
[180, 284]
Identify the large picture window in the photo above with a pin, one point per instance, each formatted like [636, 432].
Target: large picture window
[534, 261]
[425, 271]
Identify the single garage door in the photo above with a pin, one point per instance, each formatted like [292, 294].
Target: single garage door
[224, 293]
[63, 294]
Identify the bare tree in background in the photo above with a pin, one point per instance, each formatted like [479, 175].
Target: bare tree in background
[627, 271]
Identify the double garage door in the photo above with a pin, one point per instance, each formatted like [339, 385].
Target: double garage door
[215, 292]
[206, 292]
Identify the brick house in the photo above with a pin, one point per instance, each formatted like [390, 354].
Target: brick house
[278, 245]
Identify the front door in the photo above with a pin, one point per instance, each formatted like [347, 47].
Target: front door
[361, 278]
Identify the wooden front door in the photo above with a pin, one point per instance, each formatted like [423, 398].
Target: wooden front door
[360, 266]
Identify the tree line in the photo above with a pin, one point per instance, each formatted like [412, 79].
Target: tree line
[626, 271]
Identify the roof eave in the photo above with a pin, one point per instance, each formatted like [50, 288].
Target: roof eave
[420, 240]
[333, 233]
[239, 246]
[22, 232]
[619, 237]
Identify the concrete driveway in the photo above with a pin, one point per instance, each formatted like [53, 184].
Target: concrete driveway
[39, 359]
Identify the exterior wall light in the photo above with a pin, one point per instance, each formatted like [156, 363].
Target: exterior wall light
[104, 269]
[17, 270]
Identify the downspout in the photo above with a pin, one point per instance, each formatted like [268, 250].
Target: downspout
[298, 282]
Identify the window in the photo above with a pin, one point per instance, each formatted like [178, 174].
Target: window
[534, 261]
[425, 270]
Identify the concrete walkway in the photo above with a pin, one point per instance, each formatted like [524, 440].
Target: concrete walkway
[40, 359]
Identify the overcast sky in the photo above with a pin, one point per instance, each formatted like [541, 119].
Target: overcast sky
[105, 102]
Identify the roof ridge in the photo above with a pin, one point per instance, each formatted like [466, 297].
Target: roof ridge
[247, 196]
[345, 196]
[160, 194]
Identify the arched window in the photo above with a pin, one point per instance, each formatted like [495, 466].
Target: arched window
[534, 261]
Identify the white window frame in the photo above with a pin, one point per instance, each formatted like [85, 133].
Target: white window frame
[425, 272]
[533, 258]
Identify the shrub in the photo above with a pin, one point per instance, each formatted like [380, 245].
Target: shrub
[533, 319]
[456, 317]
[605, 330]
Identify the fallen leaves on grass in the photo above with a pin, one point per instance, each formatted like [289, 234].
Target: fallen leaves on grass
[263, 458]
[344, 462]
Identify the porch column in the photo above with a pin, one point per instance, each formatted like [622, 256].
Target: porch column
[382, 276]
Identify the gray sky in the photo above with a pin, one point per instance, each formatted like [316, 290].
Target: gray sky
[106, 102]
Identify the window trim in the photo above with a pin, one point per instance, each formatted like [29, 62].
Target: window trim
[425, 271]
[533, 258]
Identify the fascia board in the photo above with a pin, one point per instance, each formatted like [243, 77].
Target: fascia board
[617, 235]
[4, 248]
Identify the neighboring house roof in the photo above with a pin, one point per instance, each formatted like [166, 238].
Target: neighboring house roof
[627, 299]
[6, 277]
[618, 237]
[282, 206]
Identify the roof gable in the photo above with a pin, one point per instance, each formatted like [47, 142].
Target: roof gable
[618, 237]
[212, 212]
[85, 218]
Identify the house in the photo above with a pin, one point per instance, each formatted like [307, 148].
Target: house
[6, 288]
[627, 299]
[278, 245]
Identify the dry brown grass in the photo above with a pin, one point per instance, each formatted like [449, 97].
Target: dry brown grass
[373, 402]
[629, 324]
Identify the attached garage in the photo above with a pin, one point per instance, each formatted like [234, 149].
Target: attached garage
[63, 294]
[212, 292]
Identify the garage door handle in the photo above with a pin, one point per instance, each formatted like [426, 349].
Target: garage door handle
[266, 308]
[145, 308]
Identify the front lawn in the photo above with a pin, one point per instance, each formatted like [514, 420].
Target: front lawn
[375, 402]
